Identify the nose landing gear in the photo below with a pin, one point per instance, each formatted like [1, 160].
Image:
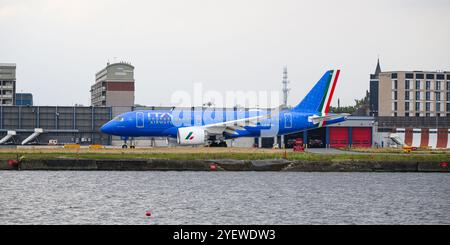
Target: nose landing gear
[126, 145]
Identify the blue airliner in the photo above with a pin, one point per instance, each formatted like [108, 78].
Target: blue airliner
[213, 127]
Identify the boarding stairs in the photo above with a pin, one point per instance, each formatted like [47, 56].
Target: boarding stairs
[396, 139]
[9, 135]
[37, 132]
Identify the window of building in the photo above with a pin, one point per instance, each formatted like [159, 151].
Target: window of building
[407, 95]
[438, 106]
[417, 106]
[394, 75]
[448, 76]
[395, 114]
[395, 106]
[440, 77]
[437, 96]
[406, 114]
[448, 107]
[448, 96]
[394, 84]
[395, 95]
[430, 76]
[406, 106]
[417, 114]
[428, 85]
[427, 114]
[427, 106]
[419, 76]
[427, 96]
[417, 84]
[407, 84]
[409, 75]
[417, 95]
[448, 86]
[437, 85]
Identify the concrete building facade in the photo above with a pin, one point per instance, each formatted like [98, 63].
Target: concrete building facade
[114, 86]
[414, 94]
[7, 84]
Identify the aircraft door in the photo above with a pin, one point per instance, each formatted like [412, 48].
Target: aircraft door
[288, 120]
[139, 119]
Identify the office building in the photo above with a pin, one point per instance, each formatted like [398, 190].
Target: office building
[7, 84]
[414, 94]
[114, 86]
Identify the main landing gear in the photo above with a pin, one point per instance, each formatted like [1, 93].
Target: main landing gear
[216, 141]
[218, 144]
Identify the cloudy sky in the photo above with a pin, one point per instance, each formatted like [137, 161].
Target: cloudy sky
[226, 45]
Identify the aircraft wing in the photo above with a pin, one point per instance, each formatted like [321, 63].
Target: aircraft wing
[230, 127]
[329, 117]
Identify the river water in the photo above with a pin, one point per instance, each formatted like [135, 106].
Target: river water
[223, 198]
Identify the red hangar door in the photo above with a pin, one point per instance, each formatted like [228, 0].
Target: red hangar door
[338, 137]
[361, 137]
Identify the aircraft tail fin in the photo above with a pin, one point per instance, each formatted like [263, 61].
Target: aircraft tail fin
[318, 100]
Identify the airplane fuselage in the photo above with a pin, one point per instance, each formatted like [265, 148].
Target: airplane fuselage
[165, 123]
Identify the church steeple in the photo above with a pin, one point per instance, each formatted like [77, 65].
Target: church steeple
[378, 69]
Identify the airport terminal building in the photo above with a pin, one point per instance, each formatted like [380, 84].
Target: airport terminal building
[53, 125]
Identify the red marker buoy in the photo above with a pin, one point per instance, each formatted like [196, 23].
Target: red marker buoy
[13, 163]
[213, 167]
[444, 164]
[148, 213]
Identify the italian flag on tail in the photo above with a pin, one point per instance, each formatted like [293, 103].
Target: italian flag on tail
[326, 100]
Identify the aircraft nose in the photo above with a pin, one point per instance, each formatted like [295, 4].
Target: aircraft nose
[106, 129]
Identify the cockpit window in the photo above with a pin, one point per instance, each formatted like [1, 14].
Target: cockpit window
[119, 119]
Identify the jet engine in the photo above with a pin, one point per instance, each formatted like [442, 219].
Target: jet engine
[191, 136]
